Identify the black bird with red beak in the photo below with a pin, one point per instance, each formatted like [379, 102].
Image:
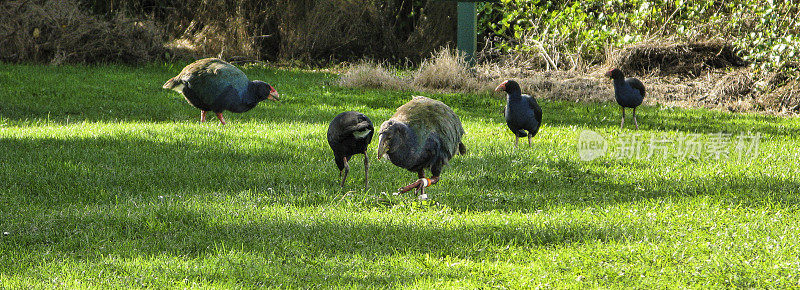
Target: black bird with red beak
[629, 93]
[212, 84]
[523, 114]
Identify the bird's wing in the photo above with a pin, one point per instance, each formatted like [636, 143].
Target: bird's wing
[534, 105]
[636, 84]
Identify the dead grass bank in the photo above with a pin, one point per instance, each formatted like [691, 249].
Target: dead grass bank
[706, 75]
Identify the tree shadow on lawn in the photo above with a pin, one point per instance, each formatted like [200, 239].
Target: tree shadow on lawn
[51, 171]
[43, 175]
[89, 170]
[607, 116]
[544, 185]
[275, 248]
[310, 99]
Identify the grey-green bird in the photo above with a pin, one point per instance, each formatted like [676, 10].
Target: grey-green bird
[423, 134]
[212, 84]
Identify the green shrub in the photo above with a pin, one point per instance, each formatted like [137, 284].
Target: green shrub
[765, 33]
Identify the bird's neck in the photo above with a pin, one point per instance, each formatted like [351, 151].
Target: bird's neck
[514, 97]
[247, 101]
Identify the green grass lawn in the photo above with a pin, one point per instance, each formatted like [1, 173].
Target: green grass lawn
[107, 180]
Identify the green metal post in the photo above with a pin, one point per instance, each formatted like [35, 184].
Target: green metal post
[467, 31]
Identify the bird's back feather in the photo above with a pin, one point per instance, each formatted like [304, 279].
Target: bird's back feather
[522, 114]
[210, 79]
[426, 116]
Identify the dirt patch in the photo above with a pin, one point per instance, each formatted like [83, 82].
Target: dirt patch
[785, 99]
[683, 59]
[734, 86]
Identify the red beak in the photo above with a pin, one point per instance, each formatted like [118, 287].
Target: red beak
[501, 87]
[273, 95]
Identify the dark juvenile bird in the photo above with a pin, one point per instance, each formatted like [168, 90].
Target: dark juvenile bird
[629, 93]
[348, 134]
[212, 84]
[522, 112]
[422, 134]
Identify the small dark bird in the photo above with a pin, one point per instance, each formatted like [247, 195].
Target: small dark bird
[422, 134]
[348, 134]
[212, 84]
[629, 93]
[522, 112]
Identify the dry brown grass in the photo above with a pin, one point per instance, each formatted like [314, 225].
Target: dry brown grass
[675, 58]
[58, 31]
[734, 86]
[729, 88]
[784, 99]
[309, 31]
[445, 70]
[369, 74]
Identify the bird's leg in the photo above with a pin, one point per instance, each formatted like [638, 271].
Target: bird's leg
[221, 119]
[426, 182]
[411, 186]
[420, 184]
[414, 185]
[634, 119]
[516, 141]
[421, 189]
[202, 116]
[623, 117]
[366, 170]
[346, 170]
[529, 139]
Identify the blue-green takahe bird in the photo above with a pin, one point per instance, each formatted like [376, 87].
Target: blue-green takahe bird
[423, 133]
[212, 84]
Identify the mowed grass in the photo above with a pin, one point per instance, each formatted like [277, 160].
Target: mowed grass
[107, 180]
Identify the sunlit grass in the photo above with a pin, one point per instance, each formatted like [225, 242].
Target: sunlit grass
[110, 181]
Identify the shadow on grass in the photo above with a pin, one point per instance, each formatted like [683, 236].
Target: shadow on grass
[87, 170]
[65, 94]
[502, 185]
[97, 170]
[284, 249]
[607, 115]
